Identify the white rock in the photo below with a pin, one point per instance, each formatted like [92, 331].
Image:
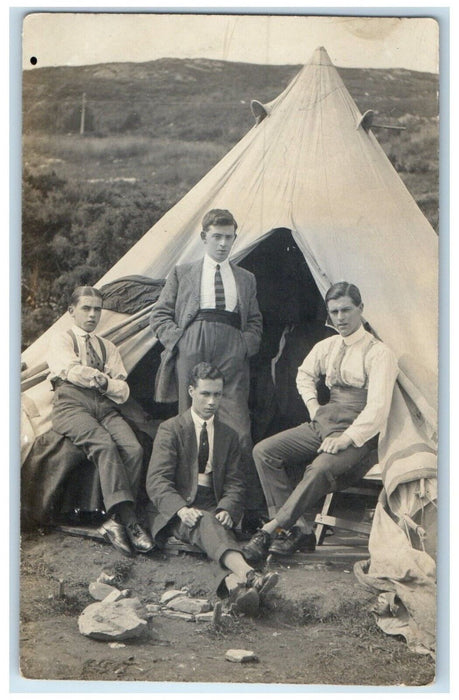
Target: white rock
[240, 656]
[205, 617]
[114, 596]
[153, 607]
[168, 595]
[99, 590]
[178, 615]
[106, 578]
[111, 621]
[194, 606]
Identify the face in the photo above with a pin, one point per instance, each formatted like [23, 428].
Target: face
[345, 315]
[206, 397]
[86, 313]
[218, 241]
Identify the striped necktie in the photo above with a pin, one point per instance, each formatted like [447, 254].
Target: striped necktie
[219, 290]
[335, 372]
[92, 358]
[203, 452]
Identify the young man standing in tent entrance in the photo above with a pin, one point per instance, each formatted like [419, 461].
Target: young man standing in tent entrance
[88, 378]
[208, 312]
[196, 488]
[328, 453]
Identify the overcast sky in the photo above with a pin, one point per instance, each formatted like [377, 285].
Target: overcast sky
[60, 38]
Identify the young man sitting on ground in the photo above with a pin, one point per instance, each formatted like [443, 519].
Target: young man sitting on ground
[196, 488]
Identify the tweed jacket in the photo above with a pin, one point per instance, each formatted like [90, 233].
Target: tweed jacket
[178, 306]
[172, 476]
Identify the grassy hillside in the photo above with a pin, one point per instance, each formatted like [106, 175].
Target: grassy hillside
[152, 131]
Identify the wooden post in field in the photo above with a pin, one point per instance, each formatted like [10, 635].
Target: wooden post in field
[83, 110]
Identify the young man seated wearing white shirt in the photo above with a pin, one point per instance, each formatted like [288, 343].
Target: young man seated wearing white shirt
[196, 488]
[89, 381]
[327, 453]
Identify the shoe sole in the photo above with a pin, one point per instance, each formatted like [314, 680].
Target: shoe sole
[293, 551]
[108, 539]
[248, 603]
[272, 581]
[145, 551]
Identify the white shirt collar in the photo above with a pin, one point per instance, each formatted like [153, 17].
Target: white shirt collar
[198, 421]
[82, 333]
[210, 262]
[354, 337]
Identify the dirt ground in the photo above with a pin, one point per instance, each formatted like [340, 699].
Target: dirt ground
[316, 627]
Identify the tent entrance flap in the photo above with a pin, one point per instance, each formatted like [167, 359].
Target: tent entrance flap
[293, 322]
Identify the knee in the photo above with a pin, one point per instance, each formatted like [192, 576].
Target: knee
[265, 456]
[321, 473]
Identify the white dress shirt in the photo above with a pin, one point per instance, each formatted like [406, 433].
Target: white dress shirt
[367, 364]
[205, 479]
[208, 284]
[64, 363]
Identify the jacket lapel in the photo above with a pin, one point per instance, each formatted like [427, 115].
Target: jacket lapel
[188, 437]
[194, 276]
[241, 291]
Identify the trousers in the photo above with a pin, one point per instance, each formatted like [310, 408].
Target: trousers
[294, 476]
[223, 346]
[208, 534]
[92, 422]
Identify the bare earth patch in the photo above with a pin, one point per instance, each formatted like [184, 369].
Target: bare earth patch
[316, 628]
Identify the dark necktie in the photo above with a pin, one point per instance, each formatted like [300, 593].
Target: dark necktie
[203, 452]
[92, 358]
[219, 290]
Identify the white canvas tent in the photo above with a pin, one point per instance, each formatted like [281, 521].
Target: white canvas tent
[310, 166]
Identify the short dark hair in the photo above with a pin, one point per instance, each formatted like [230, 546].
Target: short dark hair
[204, 370]
[84, 292]
[218, 217]
[343, 289]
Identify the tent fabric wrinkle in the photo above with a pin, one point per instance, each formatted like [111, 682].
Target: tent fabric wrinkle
[306, 168]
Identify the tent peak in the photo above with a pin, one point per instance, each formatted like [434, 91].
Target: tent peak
[320, 57]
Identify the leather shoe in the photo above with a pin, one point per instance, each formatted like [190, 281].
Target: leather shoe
[295, 540]
[140, 540]
[114, 532]
[245, 600]
[262, 582]
[257, 548]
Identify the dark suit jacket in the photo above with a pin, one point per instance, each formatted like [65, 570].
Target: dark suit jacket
[178, 306]
[172, 477]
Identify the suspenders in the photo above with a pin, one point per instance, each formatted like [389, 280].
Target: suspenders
[76, 349]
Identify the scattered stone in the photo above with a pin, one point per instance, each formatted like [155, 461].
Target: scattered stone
[168, 595]
[178, 615]
[240, 656]
[60, 589]
[151, 610]
[99, 590]
[111, 621]
[193, 606]
[114, 596]
[153, 607]
[217, 614]
[116, 645]
[106, 578]
[205, 617]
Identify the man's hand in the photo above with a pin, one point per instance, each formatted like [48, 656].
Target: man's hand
[332, 445]
[100, 382]
[313, 406]
[225, 519]
[189, 516]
